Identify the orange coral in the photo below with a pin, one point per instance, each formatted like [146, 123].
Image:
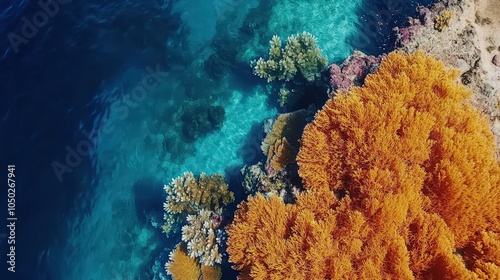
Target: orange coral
[402, 184]
[183, 267]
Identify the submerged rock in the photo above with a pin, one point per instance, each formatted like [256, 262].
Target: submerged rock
[352, 72]
[496, 60]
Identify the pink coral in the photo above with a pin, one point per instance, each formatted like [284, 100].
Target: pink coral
[352, 72]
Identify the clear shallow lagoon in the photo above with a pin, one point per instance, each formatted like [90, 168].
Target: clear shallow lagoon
[79, 74]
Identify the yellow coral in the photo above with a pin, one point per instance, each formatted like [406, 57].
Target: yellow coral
[181, 266]
[401, 183]
[281, 154]
[443, 20]
[211, 272]
[187, 194]
[287, 126]
[283, 96]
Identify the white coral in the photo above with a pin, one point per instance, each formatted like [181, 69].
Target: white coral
[201, 238]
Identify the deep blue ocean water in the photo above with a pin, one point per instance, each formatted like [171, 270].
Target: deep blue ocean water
[93, 144]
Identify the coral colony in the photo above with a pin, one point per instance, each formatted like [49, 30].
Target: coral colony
[394, 178]
[266, 140]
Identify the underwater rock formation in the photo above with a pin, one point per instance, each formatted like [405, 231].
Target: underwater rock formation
[352, 72]
[216, 67]
[201, 120]
[285, 183]
[401, 181]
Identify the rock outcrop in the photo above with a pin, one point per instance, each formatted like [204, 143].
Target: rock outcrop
[352, 72]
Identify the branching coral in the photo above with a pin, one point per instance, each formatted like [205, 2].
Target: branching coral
[402, 184]
[170, 222]
[183, 267]
[200, 234]
[203, 197]
[189, 194]
[301, 55]
[411, 114]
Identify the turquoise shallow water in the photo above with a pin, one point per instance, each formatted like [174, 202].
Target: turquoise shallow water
[143, 143]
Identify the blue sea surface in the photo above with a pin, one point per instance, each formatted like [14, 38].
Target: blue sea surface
[104, 102]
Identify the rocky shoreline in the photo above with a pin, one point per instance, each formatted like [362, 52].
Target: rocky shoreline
[461, 33]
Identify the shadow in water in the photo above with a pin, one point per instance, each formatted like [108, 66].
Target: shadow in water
[149, 197]
[250, 150]
[377, 19]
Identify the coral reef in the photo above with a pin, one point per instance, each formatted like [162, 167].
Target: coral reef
[286, 183]
[281, 154]
[188, 194]
[202, 198]
[300, 56]
[469, 43]
[443, 20]
[183, 267]
[401, 180]
[213, 272]
[170, 223]
[199, 121]
[200, 234]
[281, 142]
[352, 72]
[256, 179]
